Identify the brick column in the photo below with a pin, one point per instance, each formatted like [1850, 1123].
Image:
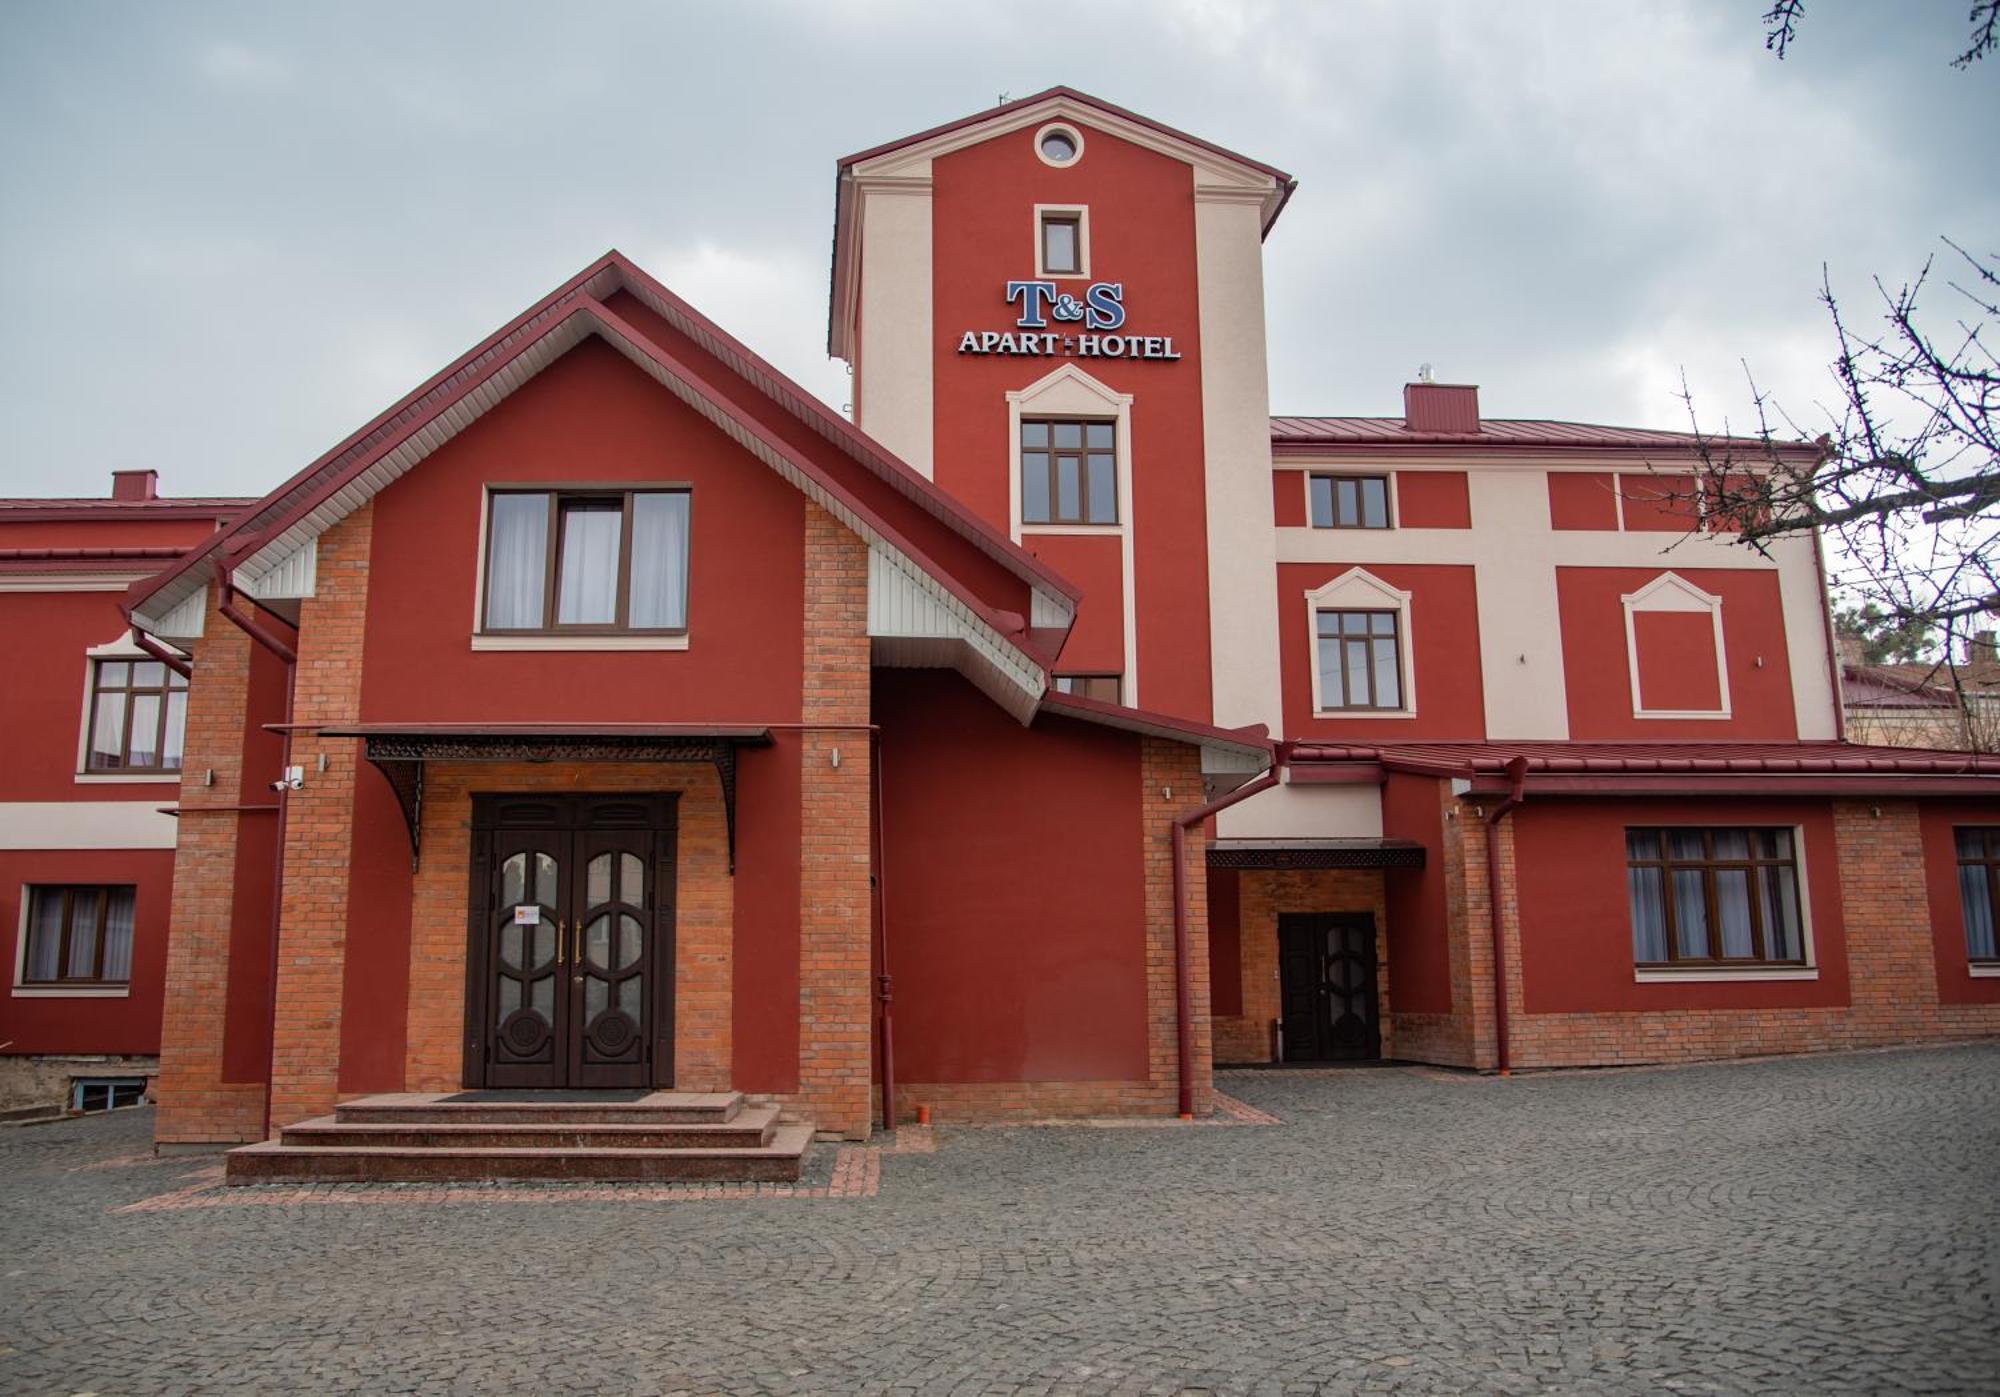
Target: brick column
[836, 1011]
[1170, 786]
[319, 829]
[195, 1104]
[1891, 959]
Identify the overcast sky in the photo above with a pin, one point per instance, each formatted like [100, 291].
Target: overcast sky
[229, 233]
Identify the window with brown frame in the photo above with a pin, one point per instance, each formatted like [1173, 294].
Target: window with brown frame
[1062, 244]
[1069, 472]
[603, 561]
[79, 936]
[1714, 898]
[1979, 889]
[1348, 501]
[138, 717]
[1360, 660]
[1091, 686]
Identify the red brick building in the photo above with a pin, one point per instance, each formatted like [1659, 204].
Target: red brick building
[612, 714]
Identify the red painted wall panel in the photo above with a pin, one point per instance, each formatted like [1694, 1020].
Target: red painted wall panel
[1646, 511]
[1677, 666]
[375, 989]
[1225, 942]
[1096, 644]
[1444, 621]
[1433, 500]
[1288, 499]
[246, 1031]
[1419, 929]
[41, 704]
[127, 1025]
[1576, 921]
[1013, 889]
[1956, 984]
[1141, 236]
[1597, 672]
[1583, 500]
[764, 1014]
[590, 417]
[125, 533]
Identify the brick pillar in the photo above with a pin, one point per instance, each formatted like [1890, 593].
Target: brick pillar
[1891, 958]
[319, 828]
[1466, 892]
[195, 1104]
[1170, 777]
[835, 953]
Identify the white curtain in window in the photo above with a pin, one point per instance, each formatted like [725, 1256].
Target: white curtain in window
[587, 591]
[1977, 899]
[659, 560]
[121, 905]
[1732, 910]
[1649, 915]
[516, 561]
[45, 907]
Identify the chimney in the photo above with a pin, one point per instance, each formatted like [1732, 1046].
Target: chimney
[1980, 649]
[1451, 408]
[135, 485]
[1852, 648]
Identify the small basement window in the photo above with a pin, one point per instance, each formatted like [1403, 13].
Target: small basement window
[105, 1093]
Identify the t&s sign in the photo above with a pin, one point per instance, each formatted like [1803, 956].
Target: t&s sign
[1055, 324]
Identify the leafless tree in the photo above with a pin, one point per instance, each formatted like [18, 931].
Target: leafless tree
[1781, 27]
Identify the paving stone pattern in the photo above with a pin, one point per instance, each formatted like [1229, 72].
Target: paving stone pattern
[1803, 1225]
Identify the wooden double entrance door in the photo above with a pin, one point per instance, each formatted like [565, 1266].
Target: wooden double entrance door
[1326, 975]
[570, 976]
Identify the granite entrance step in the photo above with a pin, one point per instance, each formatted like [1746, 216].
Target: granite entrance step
[650, 1137]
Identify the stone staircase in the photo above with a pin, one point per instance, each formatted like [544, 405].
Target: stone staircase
[657, 1137]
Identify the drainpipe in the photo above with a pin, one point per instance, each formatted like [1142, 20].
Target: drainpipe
[1183, 1009]
[882, 982]
[1517, 793]
[153, 647]
[251, 627]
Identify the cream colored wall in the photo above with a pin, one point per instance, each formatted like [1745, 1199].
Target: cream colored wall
[1306, 812]
[893, 398]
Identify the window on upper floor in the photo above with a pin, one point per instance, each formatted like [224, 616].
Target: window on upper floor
[1360, 660]
[1060, 238]
[1348, 501]
[1069, 472]
[1979, 889]
[1714, 898]
[1104, 687]
[78, 936]
[138, 717]
[562, 561]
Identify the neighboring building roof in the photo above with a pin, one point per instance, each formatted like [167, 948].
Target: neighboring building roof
[102, 510]
[1307, 434]
[1585, 768]
[1934, 684]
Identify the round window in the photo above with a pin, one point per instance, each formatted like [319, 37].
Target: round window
[1058, 145]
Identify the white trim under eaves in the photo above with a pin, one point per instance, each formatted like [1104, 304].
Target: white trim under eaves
[289, 577]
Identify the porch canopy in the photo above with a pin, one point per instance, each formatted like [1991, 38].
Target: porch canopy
[1315, 853]
[400, 750]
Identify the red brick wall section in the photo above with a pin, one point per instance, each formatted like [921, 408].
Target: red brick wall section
[319, 828]
[836, 1008]
[703, 913]
[195, 1104]
[1268, 892]
[1889, 949]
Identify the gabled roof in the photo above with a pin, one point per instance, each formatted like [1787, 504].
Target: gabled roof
[977, 571]
[1306, 435]
[904, 162]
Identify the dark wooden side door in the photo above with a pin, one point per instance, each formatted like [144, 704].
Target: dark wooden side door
[570, 971]
[1326, 974]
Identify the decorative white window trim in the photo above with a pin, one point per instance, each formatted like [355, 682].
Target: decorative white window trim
[1069, 392]
[1670, 592]
[1697, 977]
[124, 647]
[1082, 215]
[1983, 970]
[579, 643]
[1358, 589]
[1067, 129]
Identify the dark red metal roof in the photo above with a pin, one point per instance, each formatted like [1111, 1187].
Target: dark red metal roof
[43, 556]
[1550, 757]
[98, 509]
[1254, 740]
[1313, 433]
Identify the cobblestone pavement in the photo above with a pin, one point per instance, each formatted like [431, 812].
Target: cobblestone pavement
[1812, 1224]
